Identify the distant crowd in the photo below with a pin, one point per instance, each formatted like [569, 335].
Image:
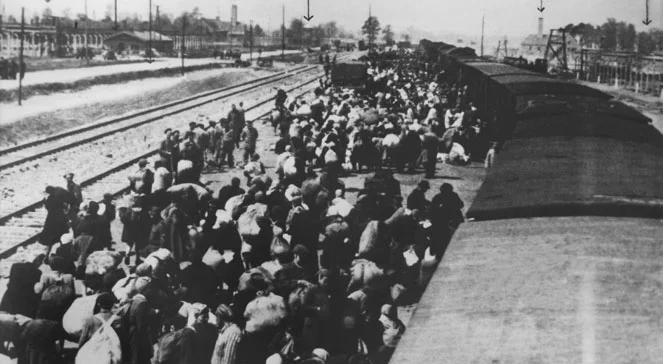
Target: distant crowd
[11, 70]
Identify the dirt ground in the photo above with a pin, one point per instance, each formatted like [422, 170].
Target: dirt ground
[46, 115]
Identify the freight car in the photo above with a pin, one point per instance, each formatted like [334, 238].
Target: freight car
[349, 74]
[562, 258]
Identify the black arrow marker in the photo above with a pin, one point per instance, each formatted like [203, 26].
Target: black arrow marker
[308, 16]
[647, 21]
[541, 8]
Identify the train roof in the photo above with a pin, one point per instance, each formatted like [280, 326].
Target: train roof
[492, 69]
[522, 84]
[589, 113]
[543, 290]
[570, 166]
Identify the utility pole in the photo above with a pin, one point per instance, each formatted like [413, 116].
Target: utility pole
[251, 41]
[283, 35]
[149, 39]
[115, 15]
[370, 26]
[20, 57]
[158, 23]
[483, 27]
[87, 24]
[183, 48]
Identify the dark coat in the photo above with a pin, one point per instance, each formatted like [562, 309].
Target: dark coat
[137, 227]
[140, 342]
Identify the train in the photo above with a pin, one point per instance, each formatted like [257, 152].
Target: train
[561, 259]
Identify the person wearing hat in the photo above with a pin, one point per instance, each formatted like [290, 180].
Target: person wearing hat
[417, 199]
[56, 222]
[230, 335]
[65, 250]
[227, 147]
[446, 215]
[250, 138]
[95, 226]
[76, 193]
[137, 227]
[169, 149]
[236, 122]
[140, 182]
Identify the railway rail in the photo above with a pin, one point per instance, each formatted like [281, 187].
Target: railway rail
[97, 154]
[26, 152]
[21, 226]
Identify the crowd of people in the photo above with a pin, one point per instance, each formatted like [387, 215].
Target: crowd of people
[11, 69]
[282, 270]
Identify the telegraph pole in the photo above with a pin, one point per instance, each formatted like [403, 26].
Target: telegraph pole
[283, 35]
[20, 57]
[115, 15]
[183, 48]
[251, 41]
[483, 25]
[87, 24]
[149, 39]
[370, 24]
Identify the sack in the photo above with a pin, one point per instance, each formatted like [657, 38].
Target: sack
[247, 224]
[184, 165]
[331, 157]
[339, 207]
[59, 293]
[122, 288]
[233, 202]
[364, 273]
[212, 258]
[101, 262]
[289, 167]
[168, 347]
[265, 312]
[74, 318]
[103, 348]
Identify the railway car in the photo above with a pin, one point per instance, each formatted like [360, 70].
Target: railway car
[561, 260]
[349, 74]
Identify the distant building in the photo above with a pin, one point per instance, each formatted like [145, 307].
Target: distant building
[134, 42]
[534, 46]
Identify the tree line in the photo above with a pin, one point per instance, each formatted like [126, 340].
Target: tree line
[616, 35]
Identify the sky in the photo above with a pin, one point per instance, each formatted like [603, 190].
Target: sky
[438, 18]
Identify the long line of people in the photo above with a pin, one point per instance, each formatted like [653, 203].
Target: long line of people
[284, 271]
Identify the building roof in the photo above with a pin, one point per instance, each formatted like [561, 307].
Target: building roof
[543, 290]
[534, 40]
[142, 36]
[218, 25]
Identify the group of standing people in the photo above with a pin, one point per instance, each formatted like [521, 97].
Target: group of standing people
[10, 69]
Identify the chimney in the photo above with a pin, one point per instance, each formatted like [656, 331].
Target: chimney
[233, 15]
[540, 27]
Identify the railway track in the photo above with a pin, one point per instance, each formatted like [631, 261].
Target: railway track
[26, 152]
[20, 185]
[21, 226]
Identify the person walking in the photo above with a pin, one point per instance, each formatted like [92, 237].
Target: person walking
[235, 119]
[250, 138]
[228, 147]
